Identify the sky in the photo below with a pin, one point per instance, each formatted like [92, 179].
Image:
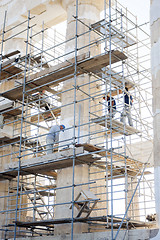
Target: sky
[140, 8]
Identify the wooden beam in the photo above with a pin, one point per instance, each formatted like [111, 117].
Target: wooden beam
[9, 71]
[62, 72]
[10, 54]
[118, 158]
[105, 219]
[119, 161]
[117, 126]
[50, 162]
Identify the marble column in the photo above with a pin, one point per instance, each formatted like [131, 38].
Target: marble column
[88, 12]
[155, 68]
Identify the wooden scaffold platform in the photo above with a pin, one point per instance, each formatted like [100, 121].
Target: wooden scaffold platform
[63, 71]
[117, 127]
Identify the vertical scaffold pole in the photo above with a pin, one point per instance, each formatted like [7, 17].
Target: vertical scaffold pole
[22, 120]
[3, 32]
[110, 93]
[106, 135]
[42, 44]
[124, 129]
[74, 125]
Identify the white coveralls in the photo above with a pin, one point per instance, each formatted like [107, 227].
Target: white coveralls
[51, 138]
[127, 109]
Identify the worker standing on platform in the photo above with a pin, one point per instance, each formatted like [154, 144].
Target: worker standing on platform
[111, 105]
[128, 100]
[53, 137]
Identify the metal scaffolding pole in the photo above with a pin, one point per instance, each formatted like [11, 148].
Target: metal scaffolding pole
[19, 157]
[74, 123]
[3, 40]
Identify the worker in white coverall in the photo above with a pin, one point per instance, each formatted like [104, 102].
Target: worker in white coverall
[53, 137]
[128, 101]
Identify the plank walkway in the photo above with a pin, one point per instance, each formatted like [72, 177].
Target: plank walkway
[64, 71]
[116, 221]
[117, 126]
[49, 163]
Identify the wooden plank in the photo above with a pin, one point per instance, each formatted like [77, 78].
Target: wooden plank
[119, 161]
[50, 162]
[62, 72]
[47, 75]
[11, 54]
[9, 68]
[117, 126]
[4, 139]
[116, 156]
[9, 71]
[7, 176]
[98, 62]
[12, 112]
[9, 108]
[119, 172]
[105, 219]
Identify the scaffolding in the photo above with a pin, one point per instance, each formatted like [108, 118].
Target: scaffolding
[115, 154]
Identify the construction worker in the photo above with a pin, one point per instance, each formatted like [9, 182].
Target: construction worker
[53, 137]
[128, 100]
[111, 105]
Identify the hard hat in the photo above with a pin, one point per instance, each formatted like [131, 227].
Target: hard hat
[62, 127]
